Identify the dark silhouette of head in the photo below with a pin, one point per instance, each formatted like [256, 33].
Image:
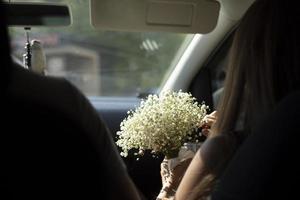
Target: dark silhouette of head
[5, 61]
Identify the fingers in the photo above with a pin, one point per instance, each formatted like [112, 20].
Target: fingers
[211, 117]
[208, 120]
[205, 132]
[213, 114]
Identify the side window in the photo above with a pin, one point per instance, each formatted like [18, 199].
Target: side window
[218, 75]
[103, 63]
[218, 64]
[208, 83]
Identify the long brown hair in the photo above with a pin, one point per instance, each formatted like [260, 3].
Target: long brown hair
[263, 68]
[263, 65]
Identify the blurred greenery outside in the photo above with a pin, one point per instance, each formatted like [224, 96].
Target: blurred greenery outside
[126, 66]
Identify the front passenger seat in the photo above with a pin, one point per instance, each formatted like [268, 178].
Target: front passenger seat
[266, 166]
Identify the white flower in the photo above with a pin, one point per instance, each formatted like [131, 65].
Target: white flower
[161, 123]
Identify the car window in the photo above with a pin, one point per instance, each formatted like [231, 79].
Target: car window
[219, 63]
[103, 63]
[218, 66]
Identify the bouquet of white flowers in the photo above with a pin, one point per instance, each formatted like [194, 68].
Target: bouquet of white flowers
[161, 124]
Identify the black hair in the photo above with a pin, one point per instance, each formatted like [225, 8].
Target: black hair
[5, 60]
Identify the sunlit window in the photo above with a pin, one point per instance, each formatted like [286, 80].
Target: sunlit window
[103, 63]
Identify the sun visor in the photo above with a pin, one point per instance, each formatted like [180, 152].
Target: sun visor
[181, 16]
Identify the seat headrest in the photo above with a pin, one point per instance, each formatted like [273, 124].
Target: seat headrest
[266, 157]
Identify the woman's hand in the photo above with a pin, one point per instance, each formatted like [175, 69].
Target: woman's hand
[209, 120]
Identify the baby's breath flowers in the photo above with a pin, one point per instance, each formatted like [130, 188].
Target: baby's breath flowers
[162, 123]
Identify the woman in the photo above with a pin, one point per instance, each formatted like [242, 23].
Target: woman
[263, 69]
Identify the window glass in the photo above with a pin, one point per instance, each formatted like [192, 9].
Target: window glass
[218, 66]
[103, 63]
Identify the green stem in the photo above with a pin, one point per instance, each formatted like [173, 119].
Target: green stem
[172, 153]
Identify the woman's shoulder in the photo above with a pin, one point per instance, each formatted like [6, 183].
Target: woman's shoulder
[222, 141]
[217, 148]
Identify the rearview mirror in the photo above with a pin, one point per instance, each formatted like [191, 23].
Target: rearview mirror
[37, 14]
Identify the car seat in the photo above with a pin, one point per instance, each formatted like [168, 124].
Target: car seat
[266, 166]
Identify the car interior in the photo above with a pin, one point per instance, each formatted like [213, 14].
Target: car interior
[118, 52]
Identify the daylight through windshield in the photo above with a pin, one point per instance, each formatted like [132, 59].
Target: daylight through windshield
[103, 63]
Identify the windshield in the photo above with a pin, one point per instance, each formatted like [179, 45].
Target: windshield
[103, 63]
